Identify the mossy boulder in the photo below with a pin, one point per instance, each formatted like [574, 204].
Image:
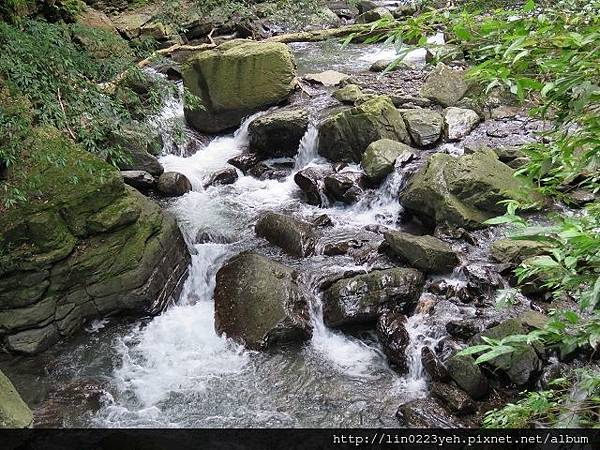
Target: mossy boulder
[84, 246]
[346, 135]
[237, 79]
[380, 158]
[14, 412]
[468, 375]
[348, 94]
[462, 191]
[294, 236]
[427, 253]
[278, 134]
[514, 251]
[445, 85]
[424, 126]
[259, 303]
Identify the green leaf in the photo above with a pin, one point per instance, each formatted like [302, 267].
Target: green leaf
[497, 351]
[473, 350]
[529, 6]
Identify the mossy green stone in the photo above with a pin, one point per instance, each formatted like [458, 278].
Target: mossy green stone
[516, 250]
[427, 253]
[380, 158]
[14, 412]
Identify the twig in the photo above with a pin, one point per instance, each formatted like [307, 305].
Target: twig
[62, 107]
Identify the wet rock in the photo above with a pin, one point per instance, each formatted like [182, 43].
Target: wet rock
[340, 248]
[459, 122]
[424, 126]
[405, 10]
[433, 366]
[295, 237]
[381, 157]
[554, 371]
[461, 192]
[365, 5]
[400, 100]
[373, 15]
[140, 148]
[519, 365]
[348, 94]
[423, 252]
[328, 78]
[468, 376]
[210, 236]
[173, 184]
[14, 412]
[427, 413]
[278, 134]
[482, 280]
[426, 304]
[138, 179]
[360, 299]
[244, 162]
[259, 303]
[346, 135]
[444, 85]
[264, 171]
[462, 329]
[345, 187]
[311, 182]
[517, 163]
[322, 220]
[236, 79]
[454, 399]
[387, 64]
[227, 175]
[394, 339]
[581, 197]
[514, 251]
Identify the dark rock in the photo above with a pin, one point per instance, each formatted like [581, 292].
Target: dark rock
[427, 413]
[138, 179]
[365, 5]
[373, 15]
[360, 299]
[433, 366]
[245, 161]
[322, 220]
[259, 303]
[581, 197]
[423, 252]
[401, 100]
[455, 399]
[204, 237]
[295, 237]
[278, 134]
[173, 184]
[345, 187]
[223, 176]
[340, 248]
[392, 334]
[462, 329]
[311, 182]
[264, 171]
[468, 376]
[424, 126]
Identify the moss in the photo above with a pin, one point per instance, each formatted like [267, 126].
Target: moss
[14, 413]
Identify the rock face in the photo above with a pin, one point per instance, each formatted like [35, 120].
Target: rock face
[258, 302]
[468, 376]
[359, 299]
[278, 134]
[444, 85]
[459, 122]
[427, 253]
[513, 251]
[14, 412]
[425, 126]
[461, 192]
[346, 135]
[392, 334]
[81, 252]
[173, 184]
[237, 79]
[380, 158]
[295, 237]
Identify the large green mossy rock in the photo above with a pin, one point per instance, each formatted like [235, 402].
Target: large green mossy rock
[514, 251]
[381, 156]
[346, 135]
[259, 303]
[14, 412]
[237, 79]
[83, 246]
[427, 253]
[462, 192]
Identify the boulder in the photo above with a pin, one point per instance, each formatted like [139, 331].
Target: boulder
[236, 79]
[459, 122]
[468, 376]
[348, 94]
[453, 398]
[515, 251]
[77, 252]
[461, 192]
[140, 148]
[345, 187]
[244, 162]
[138, 179]
[365, 5]
[228, 175]
[427, 253]
[14, 412]
[433, 366]
[424, 126]
[428, 413]
[361, 298]
[387, 64]
[327, 78]
[373, 15]
[444, 85]
[173, 184]
[462, 329]
[295, 237]
[381, 156]
[311, 182]
[259, 303]
[346, 135]
[278, 134]
[394, 339]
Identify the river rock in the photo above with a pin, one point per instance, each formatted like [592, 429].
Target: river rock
[310, 181]
[514, 251]
[327, 78]
[427, 253]
[173, 184]
[373, 15]
[361, 298]
[365, 5]
[259, 303]
[461, 192]
[394, 339]
[444, 85]
[346, 135]
[459, 122]
[245, 161]
[345, 187]
[424, 126]
[228, 175]
[80, 252]
[468, 376]
[348, 94]
[428, 413]
[433, 366]
[138, 179]
[387, 64]
[139, 150]
[295, 237]
[278, 134]
[14, 412]
[462, 329]
[455, 399]
[381, 156]
[236, 79]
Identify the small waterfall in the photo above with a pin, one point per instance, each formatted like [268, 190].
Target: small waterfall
[309, 145]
